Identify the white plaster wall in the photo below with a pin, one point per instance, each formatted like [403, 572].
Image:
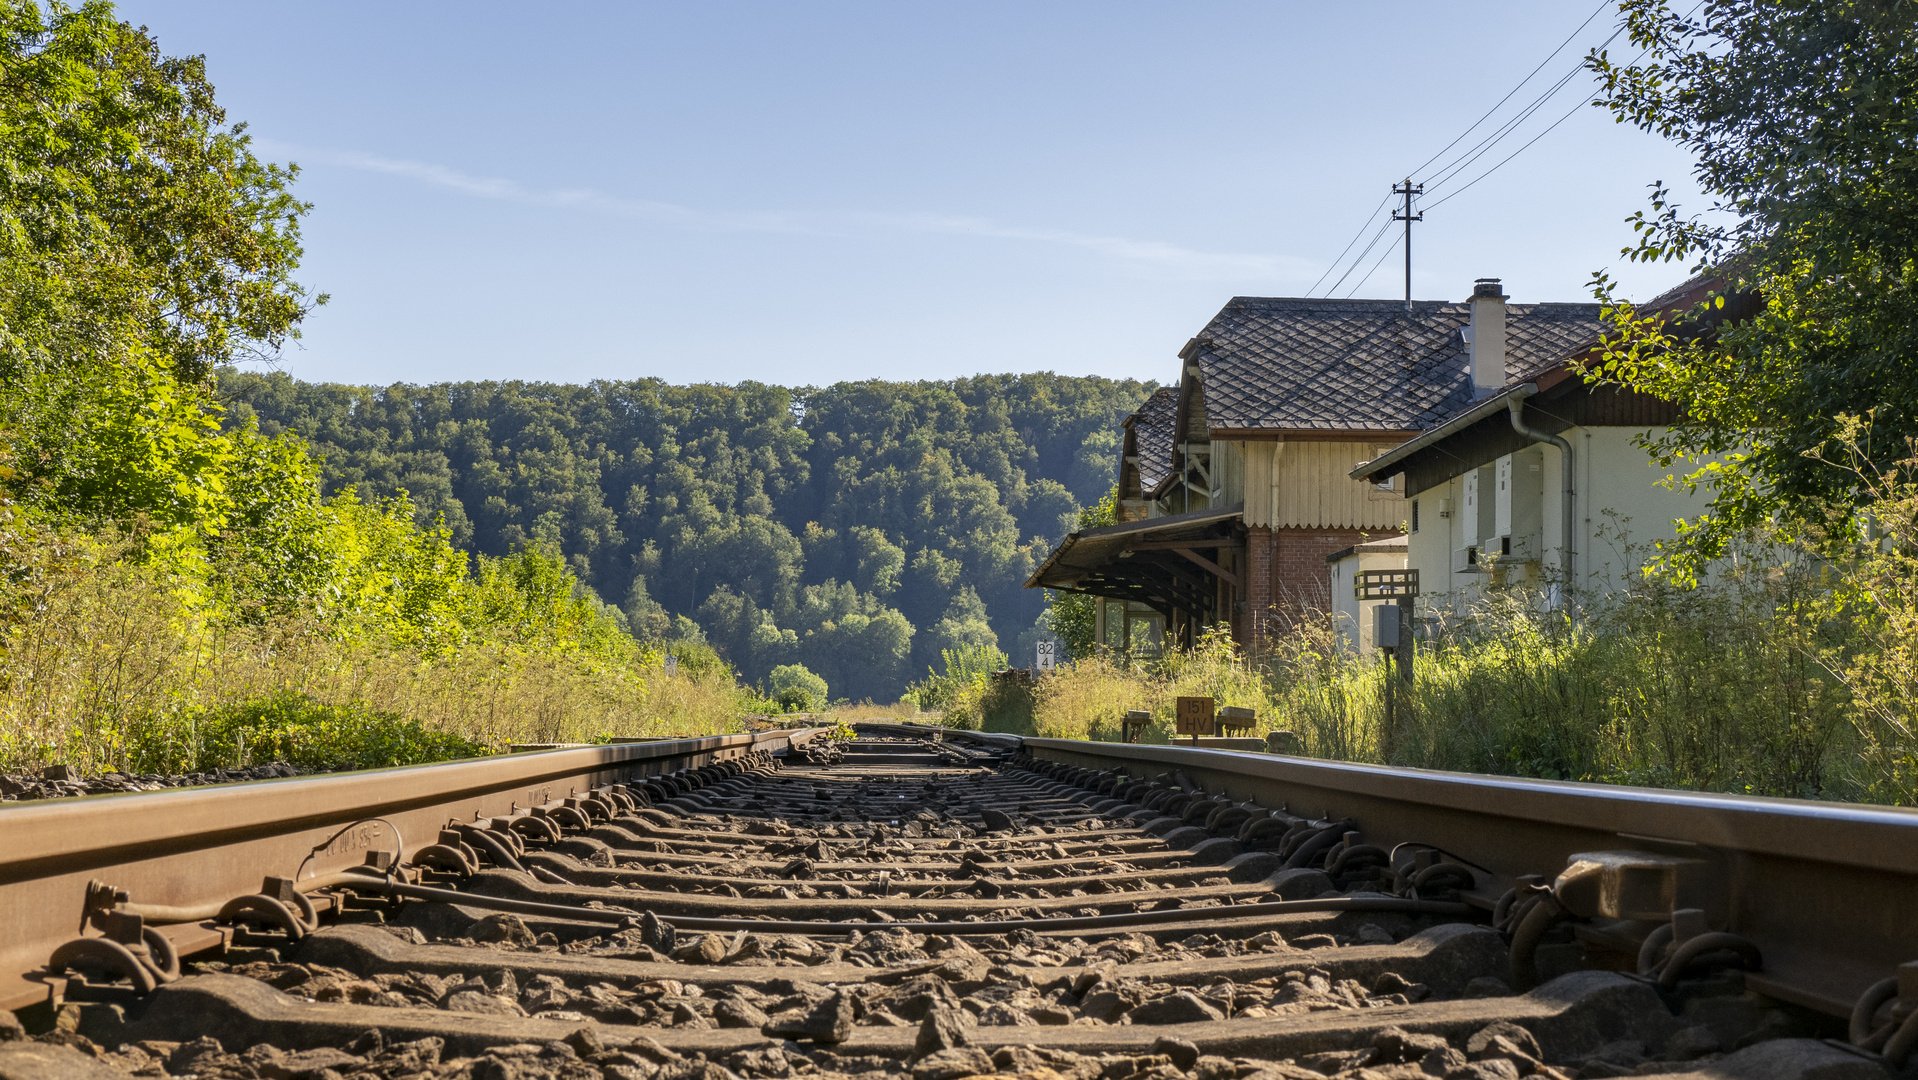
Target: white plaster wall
[1617, 475]
[1431, 548]
[1354, 617]
[1619, 511]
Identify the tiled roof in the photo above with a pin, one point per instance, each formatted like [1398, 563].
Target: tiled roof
[1152, 431]
[1364, 364]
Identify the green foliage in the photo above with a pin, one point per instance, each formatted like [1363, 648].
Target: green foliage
[957, 690]
[1730, 686]
[291, 727]
[1074, 619]
[797, 689]
[134, 218]
[141, 245]
[140, 242]
[964, 628]
[1802, 117]
[859, 529]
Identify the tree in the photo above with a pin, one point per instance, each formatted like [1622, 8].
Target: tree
[130, 208]
[789, 522]
[964, 626]
[798, 690]
[1803, 117]
[1074, 618]
[141, 242]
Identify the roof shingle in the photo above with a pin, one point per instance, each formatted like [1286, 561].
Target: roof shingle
[1363, 365]
[1152, 431]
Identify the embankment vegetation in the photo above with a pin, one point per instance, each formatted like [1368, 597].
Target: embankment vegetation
[169, 582]
[1767, 681]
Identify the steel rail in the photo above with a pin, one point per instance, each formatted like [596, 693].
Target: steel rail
[1826, 890]
[190, 848]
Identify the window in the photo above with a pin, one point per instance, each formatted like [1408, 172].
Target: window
[1415, 515]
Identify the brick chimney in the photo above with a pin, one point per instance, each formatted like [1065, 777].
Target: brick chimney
[1487, 338]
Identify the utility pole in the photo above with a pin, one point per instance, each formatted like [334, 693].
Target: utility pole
[1408, 190]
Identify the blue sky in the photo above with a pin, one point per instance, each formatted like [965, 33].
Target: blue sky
[805, 193]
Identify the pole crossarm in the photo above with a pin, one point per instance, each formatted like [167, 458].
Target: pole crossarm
[1408, 189]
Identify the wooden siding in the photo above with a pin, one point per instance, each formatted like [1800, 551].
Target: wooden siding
[1312, 489]
[1228, 470]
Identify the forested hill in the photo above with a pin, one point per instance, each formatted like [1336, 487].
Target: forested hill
[857, 529]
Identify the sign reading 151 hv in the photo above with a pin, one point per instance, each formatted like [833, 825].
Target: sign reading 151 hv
[1194, 716]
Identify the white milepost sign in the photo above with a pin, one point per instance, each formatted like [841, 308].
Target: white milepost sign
[1048, 654]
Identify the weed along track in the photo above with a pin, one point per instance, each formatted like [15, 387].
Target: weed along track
[942, 905]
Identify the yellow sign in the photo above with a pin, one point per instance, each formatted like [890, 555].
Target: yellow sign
[1194, 716]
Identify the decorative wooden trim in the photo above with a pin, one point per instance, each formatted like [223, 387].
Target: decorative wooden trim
[1175, 545]
[1313, 435]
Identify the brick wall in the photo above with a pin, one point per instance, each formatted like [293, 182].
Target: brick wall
[1258, 582]
[1300, 578]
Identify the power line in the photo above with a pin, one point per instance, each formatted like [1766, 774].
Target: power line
[1447, 172]
[1355, 262]
[1547, 131]
[1521, 83]
[1375, 269]
[1464, 161]
[1484, 146]
[1334, 265]
[1452, 171]
[1508, 157]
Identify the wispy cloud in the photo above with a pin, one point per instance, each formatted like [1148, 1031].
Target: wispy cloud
[1168, 256]
[486, 187]
[1158, 256]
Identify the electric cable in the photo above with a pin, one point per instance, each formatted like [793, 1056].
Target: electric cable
[1465, 160]
[1521, 83]
[1445, 174]
[1485, 146]
[1508, 157]
[1355, 262]
[1386, 254]
[1334, 265]
[1568, 115]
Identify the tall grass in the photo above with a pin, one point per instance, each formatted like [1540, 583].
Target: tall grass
[1730, 686]
[104, 665]
[1088, 699]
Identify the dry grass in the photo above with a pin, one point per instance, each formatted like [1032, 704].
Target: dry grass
[1726, 688]
[866, 710]
[104, 657]
[1088, 699]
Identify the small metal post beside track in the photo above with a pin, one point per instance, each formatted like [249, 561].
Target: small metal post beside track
[1392, 632]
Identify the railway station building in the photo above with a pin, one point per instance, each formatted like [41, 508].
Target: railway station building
[1541, 478]
[1238, 481]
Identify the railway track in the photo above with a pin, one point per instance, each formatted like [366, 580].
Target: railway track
[942, 905]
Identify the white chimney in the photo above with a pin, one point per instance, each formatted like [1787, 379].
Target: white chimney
[1487, 338]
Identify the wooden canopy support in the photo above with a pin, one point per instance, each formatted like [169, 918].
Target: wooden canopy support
[1207, 564]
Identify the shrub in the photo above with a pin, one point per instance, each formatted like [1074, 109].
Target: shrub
[290, 726]
[1739, 685]
[797, 689]
[104, 659]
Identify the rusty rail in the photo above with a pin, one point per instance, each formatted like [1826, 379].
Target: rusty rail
[200, 847]
[1022, 903]
[1826, 890]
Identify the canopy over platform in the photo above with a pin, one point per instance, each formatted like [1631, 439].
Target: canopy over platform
[1170, 564]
